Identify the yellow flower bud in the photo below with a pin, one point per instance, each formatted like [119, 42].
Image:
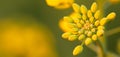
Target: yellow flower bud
[64, 25]
[86, 32]
[111, 15]
[81, 31]
[83, 9]
[100, 27]
[103, 21]
[77, 50]
[74, 29]
[74, 32]
[93, 29]
[88, 41]
[89, 13]
[76, 20]
[84, 17]
[82, 22]
[82, 36]
[94, 37]
[76, 7]
[91, 25]
[97, 14]
[66, 35]
[79, 25]
[75, 15]
[94, 7]
[97, 23]
[89, 33]
[68, 19]
[91, 19]
[72, 37]
[100, 32]
[71, 25]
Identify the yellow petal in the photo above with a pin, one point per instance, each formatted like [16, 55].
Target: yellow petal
[111, 15]
[94, 7]
[77, 50]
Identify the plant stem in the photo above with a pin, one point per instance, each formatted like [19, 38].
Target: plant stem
[101, 43]
[113, 31]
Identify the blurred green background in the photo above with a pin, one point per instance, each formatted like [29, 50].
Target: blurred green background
[26, 13]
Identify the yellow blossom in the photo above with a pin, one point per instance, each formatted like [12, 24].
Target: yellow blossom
[86, 25]
[60, 4]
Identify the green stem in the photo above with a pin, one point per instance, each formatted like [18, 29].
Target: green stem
[113, 31]
[92, 47]
[101, 43]
[100, 49]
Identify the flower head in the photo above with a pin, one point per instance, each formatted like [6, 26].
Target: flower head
[85, 25]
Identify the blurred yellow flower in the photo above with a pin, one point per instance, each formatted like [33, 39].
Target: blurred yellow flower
[114, 1]
[23, 40]
[59, 4]
[84, 24]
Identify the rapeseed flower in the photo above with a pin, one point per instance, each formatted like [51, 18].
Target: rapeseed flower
[85, 25]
